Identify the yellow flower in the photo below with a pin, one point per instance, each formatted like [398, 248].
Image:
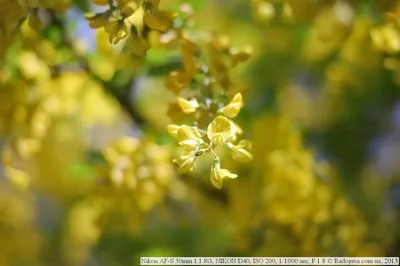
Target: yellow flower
[238, 56]
[188, 106]
[127, 8]
[241, 152]
[173, 130]
[177, 81]
[159, 20]
[189, 137]
[236, 130]
[189, 47]
[98, 20]
[175, 112]
[117, 29]
[186, 162]
[220, 130]
[138, 45]
[18, 178]
[217, 175]
[26, 147]
[233, 108]
[127, 145]
[121, 171]
[121, 148]
[220, 43]
[386, 38]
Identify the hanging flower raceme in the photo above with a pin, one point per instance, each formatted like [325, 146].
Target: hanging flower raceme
[386, 37]
[218, 175]
[220, 132]
[241, 151]
[139, 166]
[203, 79]
[115, 21]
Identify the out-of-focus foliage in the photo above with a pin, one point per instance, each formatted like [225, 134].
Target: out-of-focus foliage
[134, 128]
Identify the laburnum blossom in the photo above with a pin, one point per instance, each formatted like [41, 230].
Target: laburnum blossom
[218, 175]
[155, 18]
[236, 130]
[188, 137]
[118, 30]
[386, 37]
[98, 20]
[137, 44]
[116, 23]
[188, 106]
[219, 130]
[200, 87]
[241, 151]
[179, 80]
[186, 162]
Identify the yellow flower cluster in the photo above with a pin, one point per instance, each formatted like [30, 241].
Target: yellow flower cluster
[293, 10]
[299, 198]
[221, 131]
[20, 242]
[138, 169]
[286, 196]
[339, 35]
[82, 230]
[267, 10]
[292, 201]
[13, 13]
[115, 21]
[201, 87]
[30, 104]
[134, 180]
[386, 39]
[25, 115]
[339, 31]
